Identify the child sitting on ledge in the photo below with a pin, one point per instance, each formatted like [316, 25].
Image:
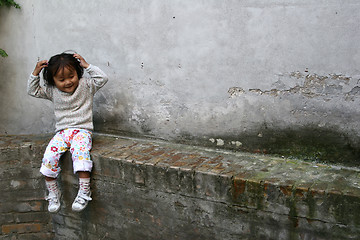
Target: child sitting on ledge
[72, 98]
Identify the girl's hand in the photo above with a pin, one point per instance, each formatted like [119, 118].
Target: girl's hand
[83, 63]
[39, 66]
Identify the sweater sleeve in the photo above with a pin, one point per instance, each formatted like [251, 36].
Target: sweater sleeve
[34, 89]
[97, 78]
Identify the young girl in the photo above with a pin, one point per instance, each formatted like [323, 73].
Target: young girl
[72, 98]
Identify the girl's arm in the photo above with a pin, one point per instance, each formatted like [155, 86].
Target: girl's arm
[33, 86]
[82, 61]
[98, 78]
[39, 66]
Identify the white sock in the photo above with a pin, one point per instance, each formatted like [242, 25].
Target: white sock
[52, 186]
[84, 185]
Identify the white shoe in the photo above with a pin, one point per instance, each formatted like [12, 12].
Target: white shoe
[81, 201]
[54, 202]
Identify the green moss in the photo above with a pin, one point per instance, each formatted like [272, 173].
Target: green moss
[311, 205]
[255, 192]
[293, 215]
[338, 209]
[291, 203]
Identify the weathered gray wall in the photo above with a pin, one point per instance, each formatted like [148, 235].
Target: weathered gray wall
[223, 73]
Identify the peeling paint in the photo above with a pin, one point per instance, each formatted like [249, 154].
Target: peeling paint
[235, 91]
[15, 184]
[237, 143]
[350, 96]
[220, 142]
[313, 85]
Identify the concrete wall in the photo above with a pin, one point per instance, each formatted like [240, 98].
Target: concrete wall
[252, 75]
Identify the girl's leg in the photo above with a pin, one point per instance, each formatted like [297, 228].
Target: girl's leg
[50, 164]
[50, 168]
[84, 183]
[80, 150]
[83, 174]
[53, 196]
[49, 179]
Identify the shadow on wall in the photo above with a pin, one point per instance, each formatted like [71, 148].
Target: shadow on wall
[303, 143]
[293, 139]
[306, 143]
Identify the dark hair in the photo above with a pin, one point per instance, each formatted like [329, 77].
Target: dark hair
[59, 62]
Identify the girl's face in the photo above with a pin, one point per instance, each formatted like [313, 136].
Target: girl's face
[66, 80]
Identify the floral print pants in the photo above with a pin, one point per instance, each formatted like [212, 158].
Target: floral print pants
[78, 141]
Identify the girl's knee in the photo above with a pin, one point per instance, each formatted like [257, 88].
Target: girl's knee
[81, 160]
[82, 166]
[49, 171]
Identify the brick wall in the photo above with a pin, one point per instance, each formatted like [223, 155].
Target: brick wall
[154, 190]
[22, 208]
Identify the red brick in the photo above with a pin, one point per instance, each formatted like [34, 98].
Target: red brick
[21, 228]
[238, 187]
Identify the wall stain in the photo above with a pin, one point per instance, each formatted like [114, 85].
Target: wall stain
[309, 143]
[313, 85]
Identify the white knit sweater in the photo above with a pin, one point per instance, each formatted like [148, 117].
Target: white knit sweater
[72, 110]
